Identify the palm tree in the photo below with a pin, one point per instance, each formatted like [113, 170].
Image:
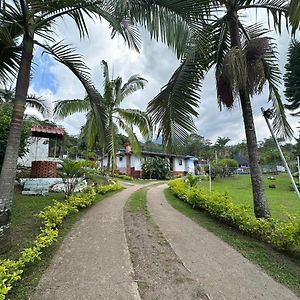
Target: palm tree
[244, 60]
[220, 146]
[113, 95]
[26, 25]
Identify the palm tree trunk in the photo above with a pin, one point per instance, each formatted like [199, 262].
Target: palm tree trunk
[260, 204]
[261, 209]
[9, 167]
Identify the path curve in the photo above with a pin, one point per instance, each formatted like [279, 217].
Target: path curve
[224, 272]
[93, 261]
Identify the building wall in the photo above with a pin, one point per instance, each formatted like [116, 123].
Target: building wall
[190, 167]
[121, 164]
[178, 165]
[38, 150]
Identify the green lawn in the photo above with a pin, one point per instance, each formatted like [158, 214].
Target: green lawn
[281, 199]
[24, 225]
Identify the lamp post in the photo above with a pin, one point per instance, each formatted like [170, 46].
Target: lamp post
[268, 114]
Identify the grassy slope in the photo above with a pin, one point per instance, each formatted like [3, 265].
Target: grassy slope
[282, 268]
[25, 227]
[281, 199]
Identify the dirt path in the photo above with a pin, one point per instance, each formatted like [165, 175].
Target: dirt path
[93, 262]
[158, 271]
[224, 272]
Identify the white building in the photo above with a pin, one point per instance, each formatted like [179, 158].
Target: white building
[131, 165]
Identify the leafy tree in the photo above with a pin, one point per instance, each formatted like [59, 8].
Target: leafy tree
[153, 147]
[113, 95]
[26, 25]
[222, 168]
[5, 120]
[239, 149]
[155, 168]
[292, 77]
[244, 60]
[221, 147]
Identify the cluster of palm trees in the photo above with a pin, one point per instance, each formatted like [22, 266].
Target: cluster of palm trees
[115, 117]
[204, 34]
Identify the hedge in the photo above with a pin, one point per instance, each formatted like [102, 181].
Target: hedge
[52, 216]
[281, 235]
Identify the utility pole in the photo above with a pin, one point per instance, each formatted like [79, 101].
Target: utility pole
[268, 114]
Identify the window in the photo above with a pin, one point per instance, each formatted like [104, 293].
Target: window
[121, 158]
[180, 162]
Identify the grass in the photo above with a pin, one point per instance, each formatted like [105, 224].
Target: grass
[24, 226]
[24, 229]
[282, 268]
[281, 199]
[137, 203]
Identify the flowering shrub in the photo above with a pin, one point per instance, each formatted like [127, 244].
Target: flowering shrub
[281, 235]
[155, 168]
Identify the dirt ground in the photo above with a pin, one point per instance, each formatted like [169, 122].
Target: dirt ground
[158, 271]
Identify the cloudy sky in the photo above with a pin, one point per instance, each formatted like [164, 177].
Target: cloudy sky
[156, 63]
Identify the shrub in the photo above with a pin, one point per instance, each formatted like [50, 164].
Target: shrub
[155, 168]
[192, 180]
[281, 235]
[109, 187]
[122, 176]
[222, 168]
[52, 216]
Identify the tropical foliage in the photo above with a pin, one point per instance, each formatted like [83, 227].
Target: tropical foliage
[292, 77]
[155, 168]
[114, 116]
[26, 25]
[245, 62]
[282, 235]
[5, 120]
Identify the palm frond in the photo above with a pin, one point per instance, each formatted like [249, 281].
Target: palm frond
[133, 84]
[74, 62]
[107, 85]
[138, 118]
[134, 143]
[90, 131]
[10, 53]
[170, 21]
[294, 14]
[65, 108]
[37, 103]
[175, 106]
[273, 76]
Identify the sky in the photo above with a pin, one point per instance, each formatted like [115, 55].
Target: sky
[156, 63]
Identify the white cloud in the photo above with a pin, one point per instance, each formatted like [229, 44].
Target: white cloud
[156, 63]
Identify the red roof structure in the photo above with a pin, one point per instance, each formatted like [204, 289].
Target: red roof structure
[47, 132]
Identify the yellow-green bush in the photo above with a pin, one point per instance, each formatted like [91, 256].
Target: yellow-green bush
[52, 216]
[103, 189]
[281, 235]
[122, 176]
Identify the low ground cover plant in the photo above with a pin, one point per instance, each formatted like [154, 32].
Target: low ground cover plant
[52, 217]
[282, 235]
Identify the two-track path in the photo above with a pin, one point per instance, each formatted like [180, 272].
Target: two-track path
[224, 272]
[94, 262]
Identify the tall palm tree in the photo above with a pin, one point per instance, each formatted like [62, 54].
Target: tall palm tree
[25, 25]
[244, 60]
[113, 95]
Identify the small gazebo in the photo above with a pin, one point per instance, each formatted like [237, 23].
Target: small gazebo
[45, 165]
